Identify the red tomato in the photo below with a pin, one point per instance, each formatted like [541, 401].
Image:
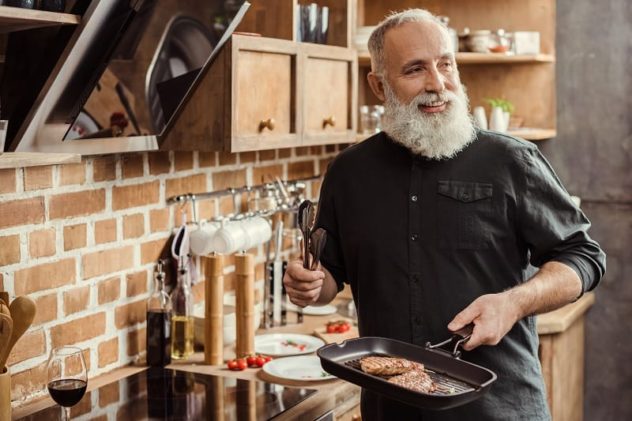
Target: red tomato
[344, 327]
[267, 358]
[242, 364]
[251, 361]
[331, 328]
[260, 361]
[232, 365]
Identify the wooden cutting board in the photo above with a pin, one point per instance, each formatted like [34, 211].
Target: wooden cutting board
[330, 338]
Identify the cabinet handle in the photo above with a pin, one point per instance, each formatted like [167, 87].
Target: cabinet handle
[266, 124]
[329, 121]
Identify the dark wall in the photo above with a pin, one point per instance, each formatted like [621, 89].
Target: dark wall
[592, 154]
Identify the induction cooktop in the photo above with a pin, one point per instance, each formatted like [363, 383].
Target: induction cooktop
[165, 394]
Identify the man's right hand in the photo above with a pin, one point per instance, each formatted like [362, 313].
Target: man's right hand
[303, 285]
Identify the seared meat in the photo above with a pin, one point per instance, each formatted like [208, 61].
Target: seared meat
[417, 380]
[387, 366]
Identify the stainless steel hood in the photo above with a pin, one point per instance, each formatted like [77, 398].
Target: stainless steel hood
[126, 71]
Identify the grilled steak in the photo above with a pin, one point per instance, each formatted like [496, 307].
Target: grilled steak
[417, 380]
[387, 366]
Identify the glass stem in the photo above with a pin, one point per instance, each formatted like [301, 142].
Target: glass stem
[66, 413]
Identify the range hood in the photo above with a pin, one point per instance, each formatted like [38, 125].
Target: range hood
[126, 71]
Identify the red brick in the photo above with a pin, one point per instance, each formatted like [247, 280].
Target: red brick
[136, 341]
[9, 250]
[159, 220]
[76, 300]
[132, 165]
[22, 212]
[124, 197]
[45, 276]
[75, 236]
[36, 178]
[303, 151]
[323, 165]
[30, 345]
[78, 330]
[300, 169]
[104, 168]
[206, 159]
[108, 352]
[266, 174]
[183, 161]
[206, 209]
[109, 290]
[158, 163]
[108, 394]
[247, 157]
[133, 226]
[83, 407]
[72, 174]
[68, 205]
[316, 150]
[285, 153]
[107, 261]
[42, 243]
[28, 382]
[7, 181]
[136, 283]
[46, 309]
[130, 314]
[152, 250]
[227, 158]
[191, 184]
[330, 148]
[268, 155]
[226, 179]
[105, 231]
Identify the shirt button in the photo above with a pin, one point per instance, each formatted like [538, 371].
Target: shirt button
[413, 197]
[465, 196]
[414, 237]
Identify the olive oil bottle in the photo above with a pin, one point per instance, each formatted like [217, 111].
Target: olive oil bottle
[182, 314]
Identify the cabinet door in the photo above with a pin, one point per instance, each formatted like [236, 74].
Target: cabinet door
[329, 95]
[264, 95]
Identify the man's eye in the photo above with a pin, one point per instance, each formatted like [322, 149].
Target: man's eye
[446, 65]
[414, 70]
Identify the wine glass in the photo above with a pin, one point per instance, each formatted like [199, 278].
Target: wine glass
[67, 377]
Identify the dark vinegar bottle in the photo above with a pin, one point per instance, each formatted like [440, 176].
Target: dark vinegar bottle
[159, 323]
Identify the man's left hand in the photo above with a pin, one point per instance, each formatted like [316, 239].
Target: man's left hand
[493, 315]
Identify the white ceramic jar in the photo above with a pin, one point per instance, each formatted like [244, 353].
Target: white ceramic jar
[479, 41]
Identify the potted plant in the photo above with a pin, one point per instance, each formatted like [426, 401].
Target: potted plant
[501, 111]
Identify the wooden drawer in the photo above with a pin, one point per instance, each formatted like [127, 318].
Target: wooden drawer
[329, 89]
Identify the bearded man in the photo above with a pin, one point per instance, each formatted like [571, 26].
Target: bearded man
[434, 224]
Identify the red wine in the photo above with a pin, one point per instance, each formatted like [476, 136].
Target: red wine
[67, 392]
[158, 338]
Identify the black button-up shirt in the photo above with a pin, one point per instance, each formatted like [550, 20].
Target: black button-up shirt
[418, 240]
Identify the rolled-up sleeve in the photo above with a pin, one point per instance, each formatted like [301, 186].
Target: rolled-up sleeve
[554, 228]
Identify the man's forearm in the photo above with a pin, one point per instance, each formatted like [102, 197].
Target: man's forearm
[329, 289]
[552, 287]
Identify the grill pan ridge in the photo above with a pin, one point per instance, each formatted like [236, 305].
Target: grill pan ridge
[458, 382]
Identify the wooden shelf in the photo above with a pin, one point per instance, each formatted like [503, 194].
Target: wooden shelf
[35, 159]
[364, 59]
[533, 133]
[14, 19]
[524, 133]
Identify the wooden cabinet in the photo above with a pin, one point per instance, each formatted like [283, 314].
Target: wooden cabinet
[270, 91]
[527, 81]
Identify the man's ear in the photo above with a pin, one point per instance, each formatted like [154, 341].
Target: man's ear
[375, 82]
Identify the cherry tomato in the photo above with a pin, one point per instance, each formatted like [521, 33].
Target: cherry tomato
[260, 361]
[242, 364]
[344, 327]
[251, 361]
[232, 365]
[267, 358]
[331, 328]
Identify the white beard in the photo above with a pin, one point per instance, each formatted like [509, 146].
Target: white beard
[435, 136]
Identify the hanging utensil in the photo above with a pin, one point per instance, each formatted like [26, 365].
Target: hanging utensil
[6, 331]
[22, 312]
[306, 223]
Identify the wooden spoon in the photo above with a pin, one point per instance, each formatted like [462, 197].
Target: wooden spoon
[6, 330]
[4, 308]
[23, 312]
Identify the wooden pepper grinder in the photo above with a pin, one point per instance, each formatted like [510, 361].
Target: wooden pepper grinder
[214, 309]
[245, 300]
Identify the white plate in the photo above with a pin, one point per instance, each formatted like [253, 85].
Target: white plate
[325, 310]
[303, 368]
[284, 344]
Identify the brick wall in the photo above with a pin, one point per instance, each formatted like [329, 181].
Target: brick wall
[82, 241]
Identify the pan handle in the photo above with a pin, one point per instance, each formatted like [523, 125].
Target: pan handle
[458, 338]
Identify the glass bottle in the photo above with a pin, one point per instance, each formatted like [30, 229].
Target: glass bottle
[158, 323]
[182, 314]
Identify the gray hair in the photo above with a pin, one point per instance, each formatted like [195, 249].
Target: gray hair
[393, 20]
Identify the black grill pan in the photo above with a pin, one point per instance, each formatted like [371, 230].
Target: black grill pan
[458, 382]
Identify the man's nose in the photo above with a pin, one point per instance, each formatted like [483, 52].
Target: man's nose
[435, 81]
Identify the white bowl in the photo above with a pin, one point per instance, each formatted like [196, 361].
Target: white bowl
[230, 324]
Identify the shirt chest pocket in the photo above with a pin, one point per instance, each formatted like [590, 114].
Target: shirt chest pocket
[464, 211]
